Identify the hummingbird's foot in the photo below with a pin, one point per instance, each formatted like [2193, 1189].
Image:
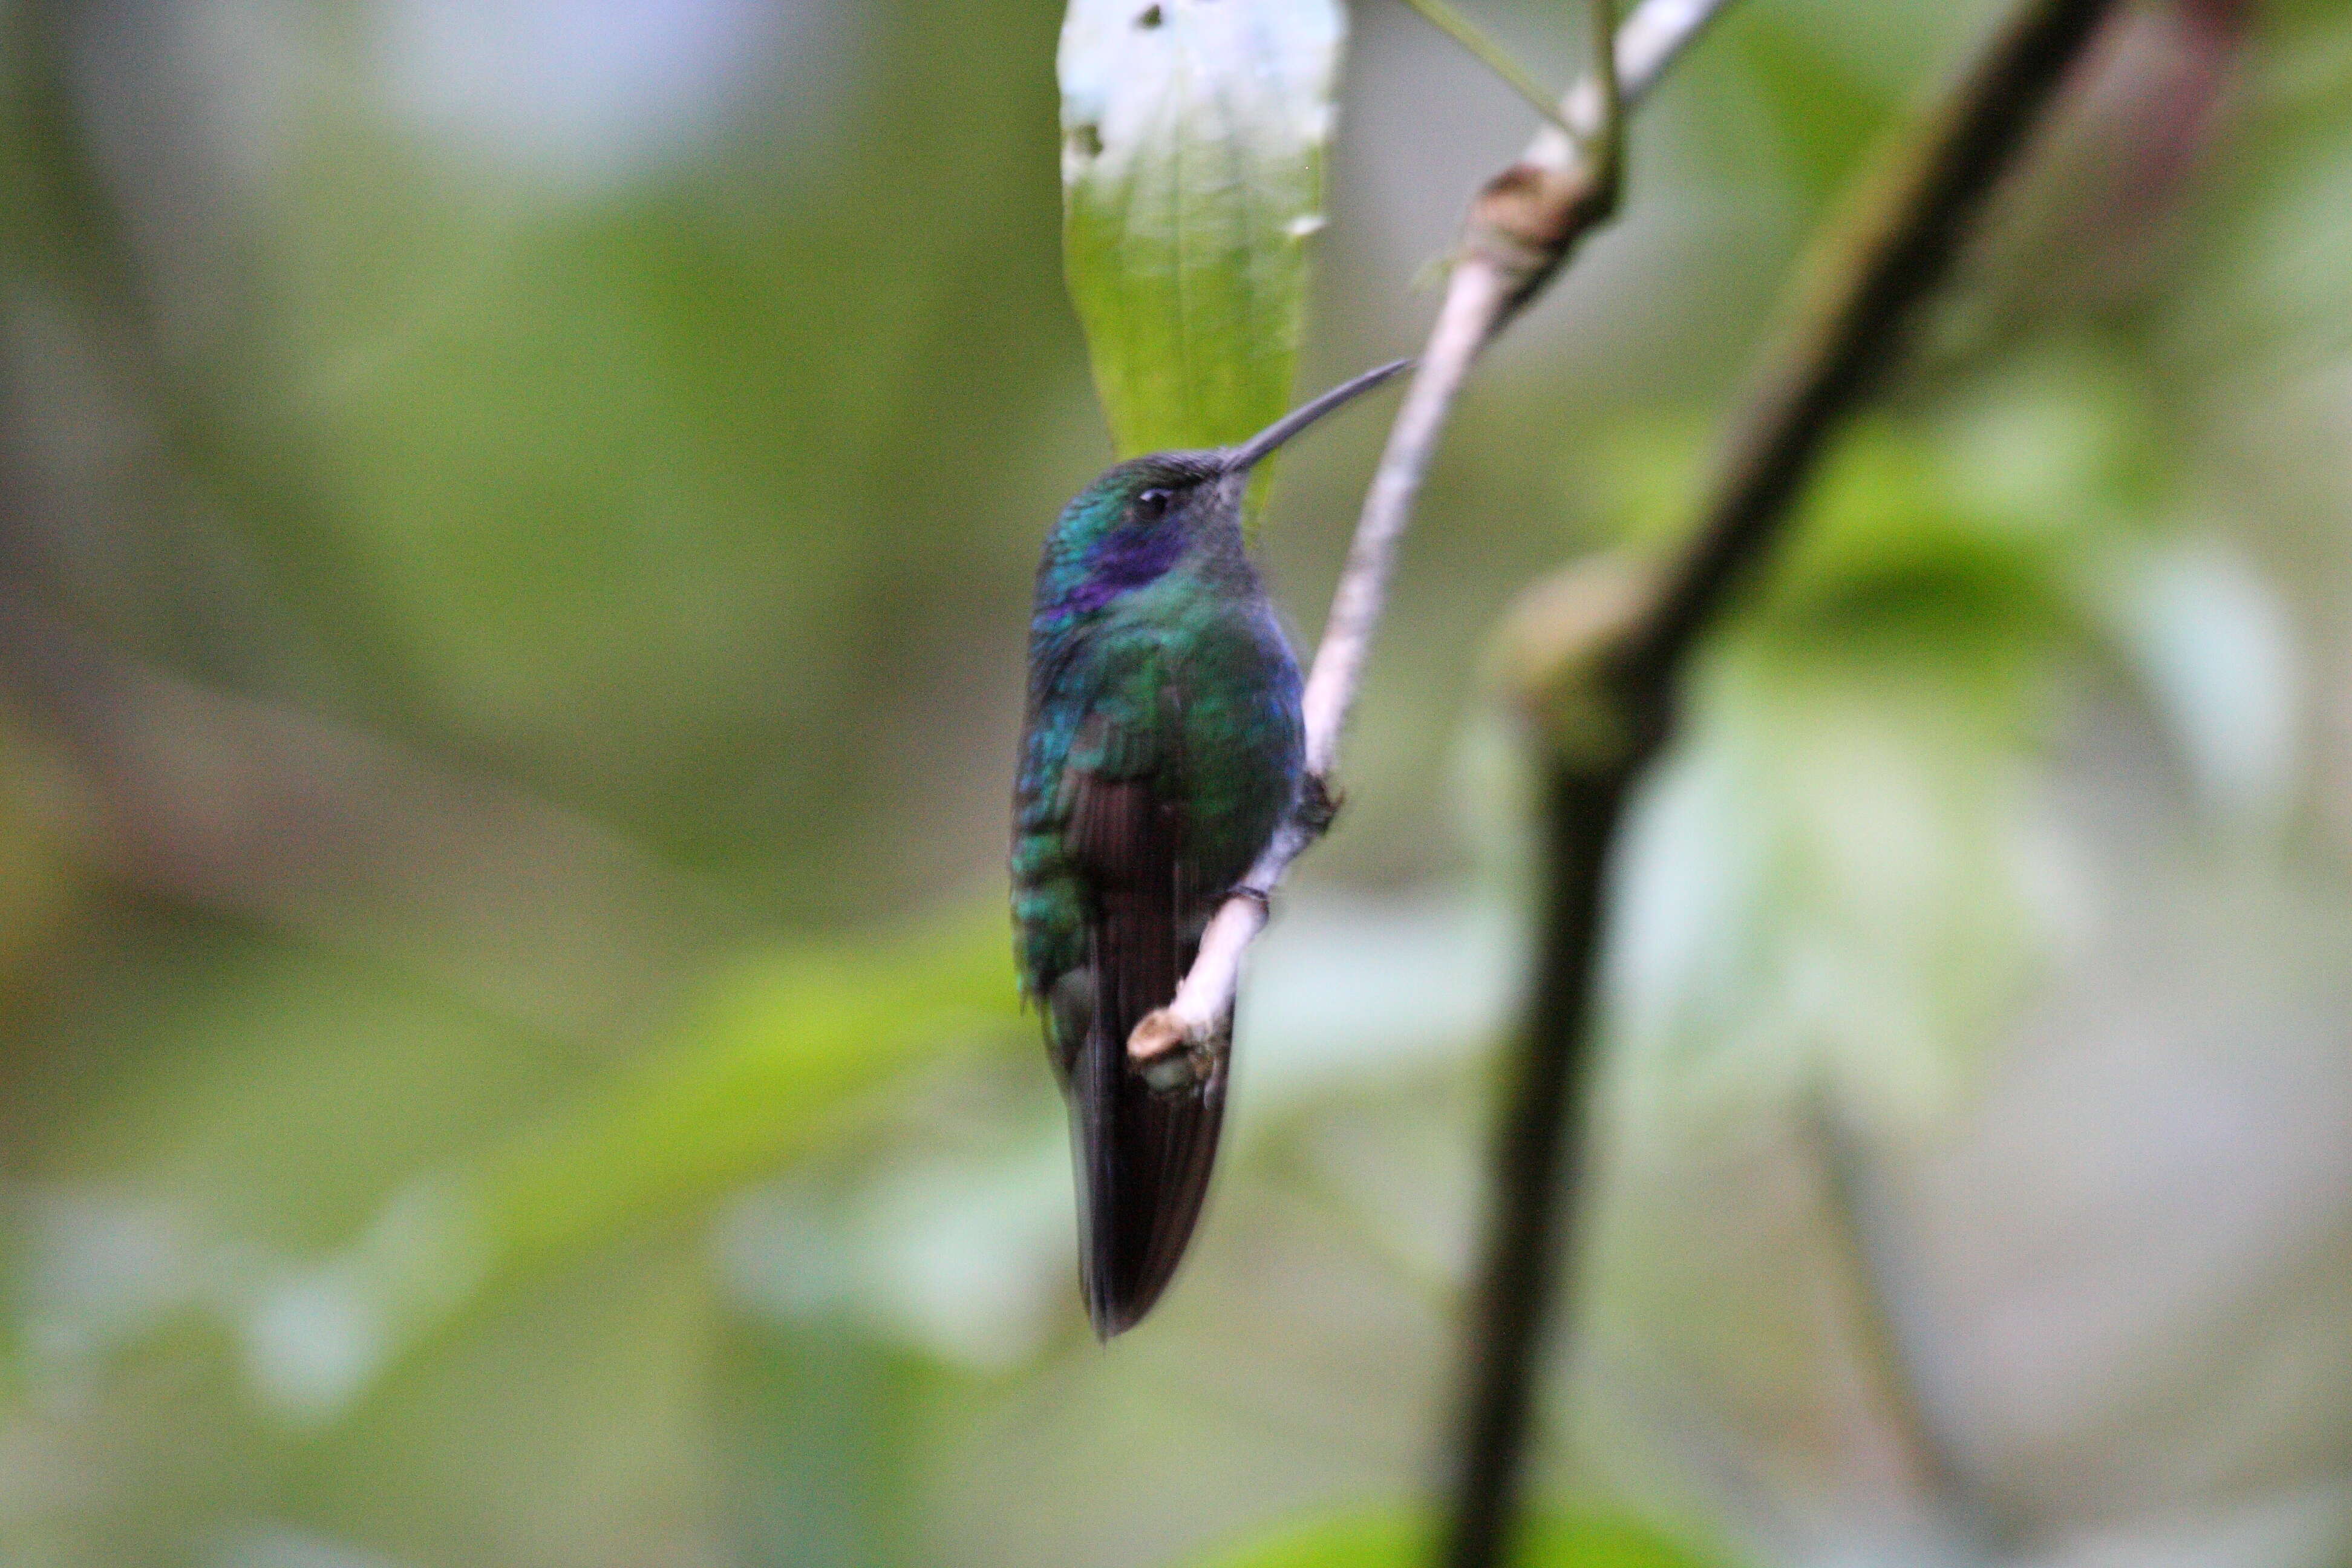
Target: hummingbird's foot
[1319, 802]
[1168, 1059]
[1180, 1071]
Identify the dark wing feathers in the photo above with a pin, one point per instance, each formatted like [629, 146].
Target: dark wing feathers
[1144, 1157]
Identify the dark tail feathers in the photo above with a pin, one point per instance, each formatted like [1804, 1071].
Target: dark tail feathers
[1144, 1159]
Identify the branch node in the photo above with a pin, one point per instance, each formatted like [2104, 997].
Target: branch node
[1524, 220]
[1560, 659]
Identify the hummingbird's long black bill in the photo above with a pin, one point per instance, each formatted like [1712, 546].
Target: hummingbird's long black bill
[1239, 459]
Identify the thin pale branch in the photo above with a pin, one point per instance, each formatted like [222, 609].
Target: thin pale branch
[1874, 271]
[1524, 225]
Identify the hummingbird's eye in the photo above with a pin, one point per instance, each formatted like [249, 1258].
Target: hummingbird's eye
[1153, 503]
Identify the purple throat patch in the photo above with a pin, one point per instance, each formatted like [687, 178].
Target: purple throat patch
[1126, 558]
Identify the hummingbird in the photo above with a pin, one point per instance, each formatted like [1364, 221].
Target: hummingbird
[1163, 748]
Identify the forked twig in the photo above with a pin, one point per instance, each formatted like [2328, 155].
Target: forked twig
[1894, 244]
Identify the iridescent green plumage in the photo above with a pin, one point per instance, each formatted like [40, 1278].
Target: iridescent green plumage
[1163, 748]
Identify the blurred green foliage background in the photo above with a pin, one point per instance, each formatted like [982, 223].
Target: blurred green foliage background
[515, 526]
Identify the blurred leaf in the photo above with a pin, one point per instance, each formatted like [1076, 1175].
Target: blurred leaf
[783, 1041]
[1405, 1540]
[1839, 872]
[954, 1239]
[1825, 113]
[1894, 517]
[582, 1407]
[1192, 141]
[2286, 285]
[2209, 639]
[806, 1410]
[2055, 447]
[1885, 533]
[782, 1045]
[1842, 869]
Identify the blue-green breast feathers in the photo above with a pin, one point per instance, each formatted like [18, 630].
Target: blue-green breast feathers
[1152, 635]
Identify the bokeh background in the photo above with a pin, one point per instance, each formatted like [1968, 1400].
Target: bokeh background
[515, 526]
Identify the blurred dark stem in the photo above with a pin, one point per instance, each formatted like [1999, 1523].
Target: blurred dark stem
[1893, 242]
[1542, 1108]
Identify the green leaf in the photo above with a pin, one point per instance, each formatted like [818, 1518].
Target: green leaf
[780, 1046]
[1193, 137]
[1405, 1539]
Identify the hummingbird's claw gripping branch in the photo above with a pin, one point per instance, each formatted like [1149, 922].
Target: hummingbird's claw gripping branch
[1200, 1016]
[1320, 801]
[1519, 231]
